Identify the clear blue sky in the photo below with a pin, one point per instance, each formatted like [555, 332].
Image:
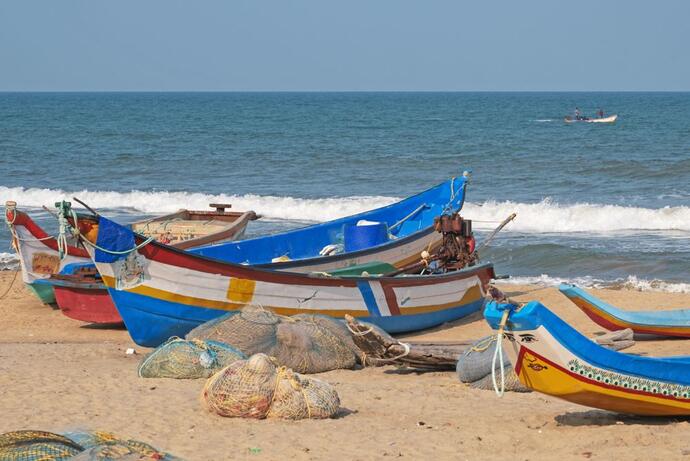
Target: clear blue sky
[346, 45]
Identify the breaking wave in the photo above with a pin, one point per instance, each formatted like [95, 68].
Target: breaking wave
[630, 283]
[547, 216]
[542, 217]
[272, 207]
[9, 261]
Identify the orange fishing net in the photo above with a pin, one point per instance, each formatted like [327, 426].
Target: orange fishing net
[259, 388]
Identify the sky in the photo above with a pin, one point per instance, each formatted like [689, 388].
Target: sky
[353, 45]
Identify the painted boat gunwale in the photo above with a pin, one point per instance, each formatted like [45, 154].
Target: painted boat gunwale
[614, 318]
[220, 267]
[23, 219]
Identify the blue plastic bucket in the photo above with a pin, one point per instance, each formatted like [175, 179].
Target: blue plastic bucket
[362, 236]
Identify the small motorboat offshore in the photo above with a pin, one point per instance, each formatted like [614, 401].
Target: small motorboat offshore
[674, 322]
[551, 357]
[161, 291]
[609, 119]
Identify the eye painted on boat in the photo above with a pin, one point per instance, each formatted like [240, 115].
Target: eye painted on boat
[527, 338]
[509, 336]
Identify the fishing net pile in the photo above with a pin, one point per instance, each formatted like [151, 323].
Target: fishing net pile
[259, 388]
[188, 359]
[37, 445]
[475, 365]
[78, 446]
[304, 343]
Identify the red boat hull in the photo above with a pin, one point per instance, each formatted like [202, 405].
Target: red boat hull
[87, 304]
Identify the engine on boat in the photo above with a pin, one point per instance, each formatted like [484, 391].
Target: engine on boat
[457, 249]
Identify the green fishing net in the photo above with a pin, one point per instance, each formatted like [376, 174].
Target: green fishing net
[303, 343]
[187, 359]
[36, 446]
[76, 446]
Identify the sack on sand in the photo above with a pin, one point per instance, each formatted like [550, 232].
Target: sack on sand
[303, 343]
[259, 388]
[37, 446]
[181, 359]
[475, 364]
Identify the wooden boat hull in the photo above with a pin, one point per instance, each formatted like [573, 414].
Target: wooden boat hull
[662, 323]
[38, 255]
[43, 291]
[92, 305]
[551, 357]
[40, 261]
[161, 292]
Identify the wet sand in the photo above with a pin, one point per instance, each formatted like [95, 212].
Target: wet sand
[58, 374]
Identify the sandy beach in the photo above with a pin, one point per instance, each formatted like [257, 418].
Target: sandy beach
[57, 374]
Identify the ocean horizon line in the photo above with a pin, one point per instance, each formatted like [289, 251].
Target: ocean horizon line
[343, 91]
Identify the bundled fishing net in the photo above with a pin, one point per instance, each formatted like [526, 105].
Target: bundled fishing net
[187, 359]
[37, 446]
[259, 388]
[304, 343]
[80, 446]
[474, 367]
[105, 446]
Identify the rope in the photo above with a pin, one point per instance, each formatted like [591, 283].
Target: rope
[359, 333]
[14, 277]
[498, 353]
[404, 353]
[419, 208]
[482, 346]
[64, 224]
[13, 231]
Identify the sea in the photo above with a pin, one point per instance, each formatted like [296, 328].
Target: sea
[599, 205]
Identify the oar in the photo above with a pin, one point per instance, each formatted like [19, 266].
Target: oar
[86, 206]
[491, 236]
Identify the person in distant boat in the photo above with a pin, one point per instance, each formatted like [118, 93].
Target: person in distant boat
[578, 114]
[601, 113]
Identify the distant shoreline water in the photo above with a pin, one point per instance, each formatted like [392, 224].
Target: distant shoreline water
[604, 205]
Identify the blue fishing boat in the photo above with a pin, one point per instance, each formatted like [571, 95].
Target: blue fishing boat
[394, 234]
[675, 322]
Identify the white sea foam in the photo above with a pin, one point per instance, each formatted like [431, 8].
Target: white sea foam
[548, 216]
[630, 283]
[9, 261]
[542, 217]
[289, 208]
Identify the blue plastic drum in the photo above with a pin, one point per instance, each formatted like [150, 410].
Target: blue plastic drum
[364, 235]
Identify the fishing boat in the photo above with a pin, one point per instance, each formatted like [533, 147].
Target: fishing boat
[161, 291]
[551, 357]
[609, 119]
[663, 323]
[399, 234]
[40, 259]
[81, 295]
[394, 234]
